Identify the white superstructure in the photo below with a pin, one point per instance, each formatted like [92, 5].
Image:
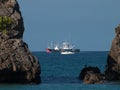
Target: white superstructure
[65, 48]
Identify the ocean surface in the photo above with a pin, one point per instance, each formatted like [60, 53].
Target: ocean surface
[60, 72]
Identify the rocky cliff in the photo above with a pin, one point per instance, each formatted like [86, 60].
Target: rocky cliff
[17, 64]
[112, 71]
[113, 61]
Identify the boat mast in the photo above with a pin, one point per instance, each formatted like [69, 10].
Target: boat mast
[51, 45]
[70, 39]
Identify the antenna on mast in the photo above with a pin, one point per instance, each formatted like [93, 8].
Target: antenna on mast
[51, 44]
[70, 40]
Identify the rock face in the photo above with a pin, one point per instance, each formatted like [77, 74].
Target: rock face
[113, 61]
[93, 78]
[17, 64]
[112, 72]
[91, 75]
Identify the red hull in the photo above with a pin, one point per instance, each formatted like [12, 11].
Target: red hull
[48, 50]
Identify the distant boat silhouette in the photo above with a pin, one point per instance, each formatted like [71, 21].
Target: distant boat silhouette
[65, 48]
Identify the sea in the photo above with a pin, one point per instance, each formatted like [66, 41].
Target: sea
[60, 72]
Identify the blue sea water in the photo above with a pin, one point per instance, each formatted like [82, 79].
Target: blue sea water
[60, 72]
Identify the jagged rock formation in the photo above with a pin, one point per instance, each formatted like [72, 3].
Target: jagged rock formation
[91, 75]
[112, 71]
[17, 64]
[113, 61]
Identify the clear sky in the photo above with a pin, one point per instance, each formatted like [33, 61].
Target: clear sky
[89, 23]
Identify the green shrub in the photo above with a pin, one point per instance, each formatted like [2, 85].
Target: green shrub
[5, 23]
[5, 32]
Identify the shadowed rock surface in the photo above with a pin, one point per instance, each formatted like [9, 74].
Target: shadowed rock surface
[86, 69]
[91, 75]
[17, 64]
[112, 71]
[113, 61]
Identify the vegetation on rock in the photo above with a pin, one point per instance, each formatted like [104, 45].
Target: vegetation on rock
[5, 24]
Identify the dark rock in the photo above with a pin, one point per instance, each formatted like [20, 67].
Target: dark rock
[91, 75]
[86, 69]
[113, 61]
[17, 64]
[92, 78]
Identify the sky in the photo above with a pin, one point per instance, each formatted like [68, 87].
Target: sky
[88, 24]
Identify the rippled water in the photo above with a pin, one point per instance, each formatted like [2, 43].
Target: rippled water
[60, 72]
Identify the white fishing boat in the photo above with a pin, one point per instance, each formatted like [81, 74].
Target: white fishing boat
[67, 52]
[66, 48]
